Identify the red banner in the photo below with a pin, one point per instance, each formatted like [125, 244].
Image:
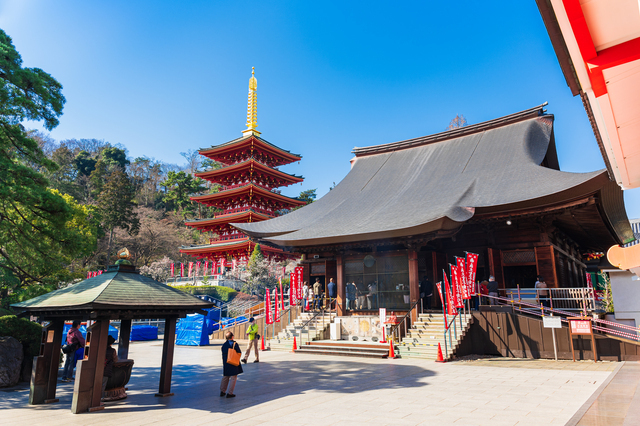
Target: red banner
[455, 287]
[197, 269]
[267, 307]
[299, 271]
[205, 268]
[275, 304]
[472, 265]
[451, 306]
[100, 272]
[590, 287]
[173, 269]
[281, 295]
[181, 270]
[88, 274]
[462, 277]
[444, 310]
[213, 267]
[293, 288]
[190, 269]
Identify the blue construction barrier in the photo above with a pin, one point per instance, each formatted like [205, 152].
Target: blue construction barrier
[144, 332]
[192, 331]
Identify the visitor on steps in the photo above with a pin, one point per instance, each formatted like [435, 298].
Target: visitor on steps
[74, 337]
[229, 372]
[317, 294]
[252, 332]
[332, 289]
[305, 296]
[492, 286]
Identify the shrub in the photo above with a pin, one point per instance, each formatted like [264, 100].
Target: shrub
[26, 332]
[225, 294]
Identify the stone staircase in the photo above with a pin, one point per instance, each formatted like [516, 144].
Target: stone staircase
[314, 330]
[343, 348]
[423, 337]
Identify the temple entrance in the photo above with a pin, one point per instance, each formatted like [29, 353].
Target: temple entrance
[524, 276]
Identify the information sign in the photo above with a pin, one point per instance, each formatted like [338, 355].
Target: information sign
[580, 326]
[552, 322]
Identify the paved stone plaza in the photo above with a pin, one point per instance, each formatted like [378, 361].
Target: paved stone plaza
[287, 388]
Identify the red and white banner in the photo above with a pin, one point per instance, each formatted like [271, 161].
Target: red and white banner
[462, 276]
[190, 269]
[197, 269]
[267, 307]
[88, 274]
[205, 268]
[472, 265]
[234, 264]
[100, 272]
[281, 295]
[455, 287]
[213, 267]
[444, 305]
[275, 304]
[451, 306]
[293, 289]
[299, 271]
[173, 270]
[181, 270]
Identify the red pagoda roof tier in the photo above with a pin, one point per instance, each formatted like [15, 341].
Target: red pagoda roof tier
[240, 247]
[221, 221]
[252, 171]
[250, 146]
[250, 195]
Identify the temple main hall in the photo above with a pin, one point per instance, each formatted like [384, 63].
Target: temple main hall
[407, 209]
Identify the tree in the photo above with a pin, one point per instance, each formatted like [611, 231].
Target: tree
[258, 277]
[308, 196]
[116, 205]
[40, 229]
[178, 189]
[457, 122]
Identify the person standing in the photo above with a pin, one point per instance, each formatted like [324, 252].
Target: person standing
[372, 297]
[74, 337]
[492, 286]
[317, 294]
[332, 289]
[542, 292]
[252, 332]
[426, 292]
[351, 295]
[229, 372]
[305, 296]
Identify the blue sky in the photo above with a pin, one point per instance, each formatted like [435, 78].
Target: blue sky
[163, 77]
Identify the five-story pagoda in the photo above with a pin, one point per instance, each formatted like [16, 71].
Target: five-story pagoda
[249, 177]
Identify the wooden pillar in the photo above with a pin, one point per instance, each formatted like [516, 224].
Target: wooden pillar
[123, 339]
[495, 266]
[87, 389]
[58, 328]
[414, 284]
[342, 288]
[42, 365]
[166, 367]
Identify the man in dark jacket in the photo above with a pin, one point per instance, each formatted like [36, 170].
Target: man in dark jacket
[426, 292]
[492, 286]
[332, 289]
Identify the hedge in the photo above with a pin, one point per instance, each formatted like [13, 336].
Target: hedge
[225, 294]
[26, 332]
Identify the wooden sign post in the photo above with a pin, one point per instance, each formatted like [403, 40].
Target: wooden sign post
[581, 326]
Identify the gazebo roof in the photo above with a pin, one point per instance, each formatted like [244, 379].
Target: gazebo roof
[120, 289]
[438, 182]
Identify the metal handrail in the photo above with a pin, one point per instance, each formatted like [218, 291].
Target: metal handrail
[403, 321]
[321, 311]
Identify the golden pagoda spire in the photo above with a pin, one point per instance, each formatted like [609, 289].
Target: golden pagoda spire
[252, 107]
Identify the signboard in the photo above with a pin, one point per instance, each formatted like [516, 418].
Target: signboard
[383, 315]
[580, 326]
[552, 322]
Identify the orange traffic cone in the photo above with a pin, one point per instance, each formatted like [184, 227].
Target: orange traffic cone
[392, 353]
[262, 344]
[440, 358]
[295, 346]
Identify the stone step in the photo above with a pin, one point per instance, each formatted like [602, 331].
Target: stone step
[343, 351]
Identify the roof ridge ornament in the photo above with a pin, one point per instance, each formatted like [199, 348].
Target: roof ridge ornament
[252, 106]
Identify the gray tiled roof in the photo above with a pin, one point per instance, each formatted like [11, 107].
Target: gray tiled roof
[397, 191]
[115, 289]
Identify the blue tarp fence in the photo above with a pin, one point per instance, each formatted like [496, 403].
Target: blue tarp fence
[192, 331]
[144, 332]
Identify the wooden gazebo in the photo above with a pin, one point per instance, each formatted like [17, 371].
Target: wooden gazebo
[120, 293]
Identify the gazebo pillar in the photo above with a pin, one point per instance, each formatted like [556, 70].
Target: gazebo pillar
[44, 375]
[166, 368]
[414, 284]
[341, 303]
[87, 389]
[124, 336]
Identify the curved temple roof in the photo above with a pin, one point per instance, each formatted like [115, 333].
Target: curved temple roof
[435, 183]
